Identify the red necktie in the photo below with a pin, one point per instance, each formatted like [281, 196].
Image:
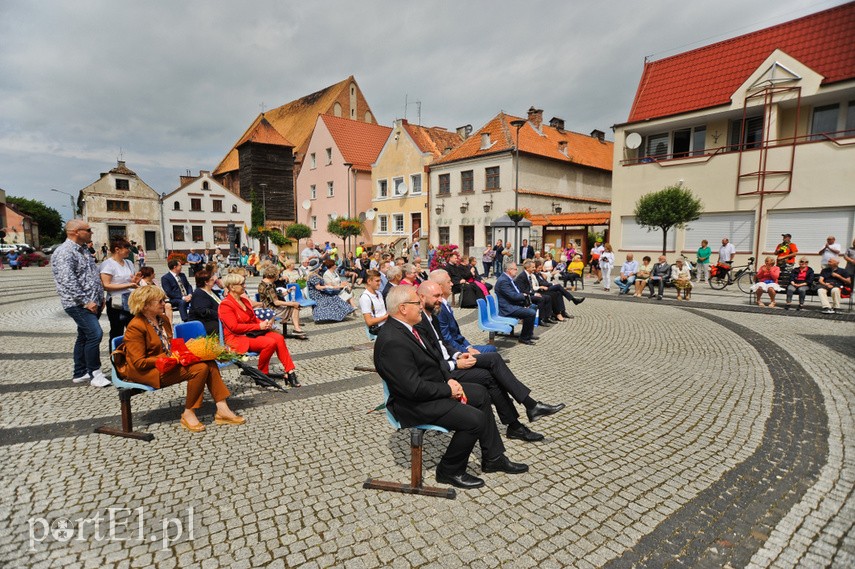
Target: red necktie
[416, 334]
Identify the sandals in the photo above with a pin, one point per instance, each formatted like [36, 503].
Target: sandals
[291, 378]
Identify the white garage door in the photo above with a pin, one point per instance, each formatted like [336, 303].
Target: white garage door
[810, 227]
[736, 226]
[637, 238]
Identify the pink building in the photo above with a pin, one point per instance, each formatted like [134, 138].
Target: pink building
[338, 158]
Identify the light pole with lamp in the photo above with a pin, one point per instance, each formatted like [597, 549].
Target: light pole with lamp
[349, 166]
[518, 125]
[71, 199]
[264, 214]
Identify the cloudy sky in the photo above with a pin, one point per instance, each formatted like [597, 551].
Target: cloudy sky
[173, 84]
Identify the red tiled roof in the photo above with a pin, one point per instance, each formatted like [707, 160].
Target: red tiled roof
[581, 149]
[432, 139]
[359, 143]
[585, 218]
[263, 133]
[708, 76]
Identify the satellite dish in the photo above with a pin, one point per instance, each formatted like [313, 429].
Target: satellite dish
[362, 216]
[401, 189]
[633, 140]
[370, 214]
[334, 215]
[307, 204]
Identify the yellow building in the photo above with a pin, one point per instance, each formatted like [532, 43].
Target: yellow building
[761, 127]
[400, 183]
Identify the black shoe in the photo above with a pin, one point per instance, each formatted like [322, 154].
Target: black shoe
[658, 297]
[787, 306]
[544, 324]
[542, 410]
[523, 433]
[292, 380]
[534, 338]
[578, 300]
[462, 480]
[502, 464]
[527, 342]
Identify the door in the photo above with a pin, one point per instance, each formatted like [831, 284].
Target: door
[468, 239]
[416, 221]
[114, 231]
[150, 241]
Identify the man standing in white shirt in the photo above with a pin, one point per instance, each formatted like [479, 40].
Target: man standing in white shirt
[831, 250]
[727, 252]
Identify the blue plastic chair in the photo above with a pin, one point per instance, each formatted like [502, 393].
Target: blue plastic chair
[487, 325]
[416, 485]
[195, 329]
[298, 295]
[493, 313]
[127, 389]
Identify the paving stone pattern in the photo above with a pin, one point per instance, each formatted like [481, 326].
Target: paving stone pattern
[706, 434]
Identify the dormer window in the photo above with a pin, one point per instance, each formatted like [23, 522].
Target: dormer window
[176, 206]
[234, 208]
[123, 184]
[205, 186]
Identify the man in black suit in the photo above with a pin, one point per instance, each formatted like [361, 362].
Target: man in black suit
[487, 369]
[526, 286]
[526, 251]
[422, 391]
[512, 302]
[177, 288]
[393, 277]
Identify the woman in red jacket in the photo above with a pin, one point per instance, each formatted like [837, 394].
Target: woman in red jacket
[244, 332]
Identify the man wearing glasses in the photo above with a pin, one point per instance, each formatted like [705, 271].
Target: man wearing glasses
[82, 297]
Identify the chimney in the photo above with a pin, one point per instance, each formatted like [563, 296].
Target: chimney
[464, 131]
[557, 123]
[446, 151]
[121, 163]
[562, 147]
[598, 134]
[485, 141]
[535, 117]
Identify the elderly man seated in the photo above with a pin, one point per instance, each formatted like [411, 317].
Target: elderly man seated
[627, 274]
[448, 323]
[832, 279]
[512, 302]
[526, 281]
[660, 273]
[487, 369]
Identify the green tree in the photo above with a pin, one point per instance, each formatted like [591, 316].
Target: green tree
[345, 227]
[50, 222]
[671, 207]
[298, 231]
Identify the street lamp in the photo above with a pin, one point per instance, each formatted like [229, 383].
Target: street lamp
[71, 199]
[349, 166]
[518, 125]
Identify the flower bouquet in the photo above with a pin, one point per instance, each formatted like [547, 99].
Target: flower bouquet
[208, 348]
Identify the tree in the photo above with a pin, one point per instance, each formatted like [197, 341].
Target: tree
[298, 231]
[345, 227]
[49, 220]
[671, 207]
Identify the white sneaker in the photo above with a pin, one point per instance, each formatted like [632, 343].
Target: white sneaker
[82, 379]
[99, 380]
[828, 311]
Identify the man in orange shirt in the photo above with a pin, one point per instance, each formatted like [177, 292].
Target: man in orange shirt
[786, 251]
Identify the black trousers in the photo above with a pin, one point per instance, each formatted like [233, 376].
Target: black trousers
[118, 321]
[502, 385]
[544, 304]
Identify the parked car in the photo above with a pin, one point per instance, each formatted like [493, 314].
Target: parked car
[6, 247]
[25, 248]
[50, 249]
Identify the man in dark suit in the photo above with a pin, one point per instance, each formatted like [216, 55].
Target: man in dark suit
[526, 251]
[393, 277]
[527, 283]
[459, 274]
[177, 288]
[449, 328]
[487, 369]
[512, 302]
[422, 391]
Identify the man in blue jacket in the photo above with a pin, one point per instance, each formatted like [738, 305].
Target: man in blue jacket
[513, 303]
[448, 323]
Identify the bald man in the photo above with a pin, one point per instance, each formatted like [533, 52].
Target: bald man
[82, 297]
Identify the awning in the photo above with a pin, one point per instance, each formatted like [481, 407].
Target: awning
[579, 219]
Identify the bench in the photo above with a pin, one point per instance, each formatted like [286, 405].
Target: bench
[416, 485]
[490, 326]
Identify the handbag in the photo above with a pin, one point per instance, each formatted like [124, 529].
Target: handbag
[374, 329]
[256, 333]
[119, 357]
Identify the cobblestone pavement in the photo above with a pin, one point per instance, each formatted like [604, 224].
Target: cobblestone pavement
[703, 434]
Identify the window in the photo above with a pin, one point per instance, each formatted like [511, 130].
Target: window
[810, 227]
[221, 234]
[398, 183]
[467, 182]
[699, 140]
[738, 227]
[218, 206]
[682, 142]
[313, 192]
[657, 145]
[398, 222]
[416, 183]
[444, 234]
[330, 190]
[205, 186]
[444, 184]
[824, 121]
[636, 237]
[123, 184]
[234, 208]
[176, 206]
[329, 156]
[752, 134]
[178, 233]
[492, 175]
[314, 222]
[195, 204]
[850, 120]
[383, 223]
[382, 188]
[313, 163]
[196, 231]
[118, 205]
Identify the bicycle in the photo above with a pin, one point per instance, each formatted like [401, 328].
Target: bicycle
[722, 275]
